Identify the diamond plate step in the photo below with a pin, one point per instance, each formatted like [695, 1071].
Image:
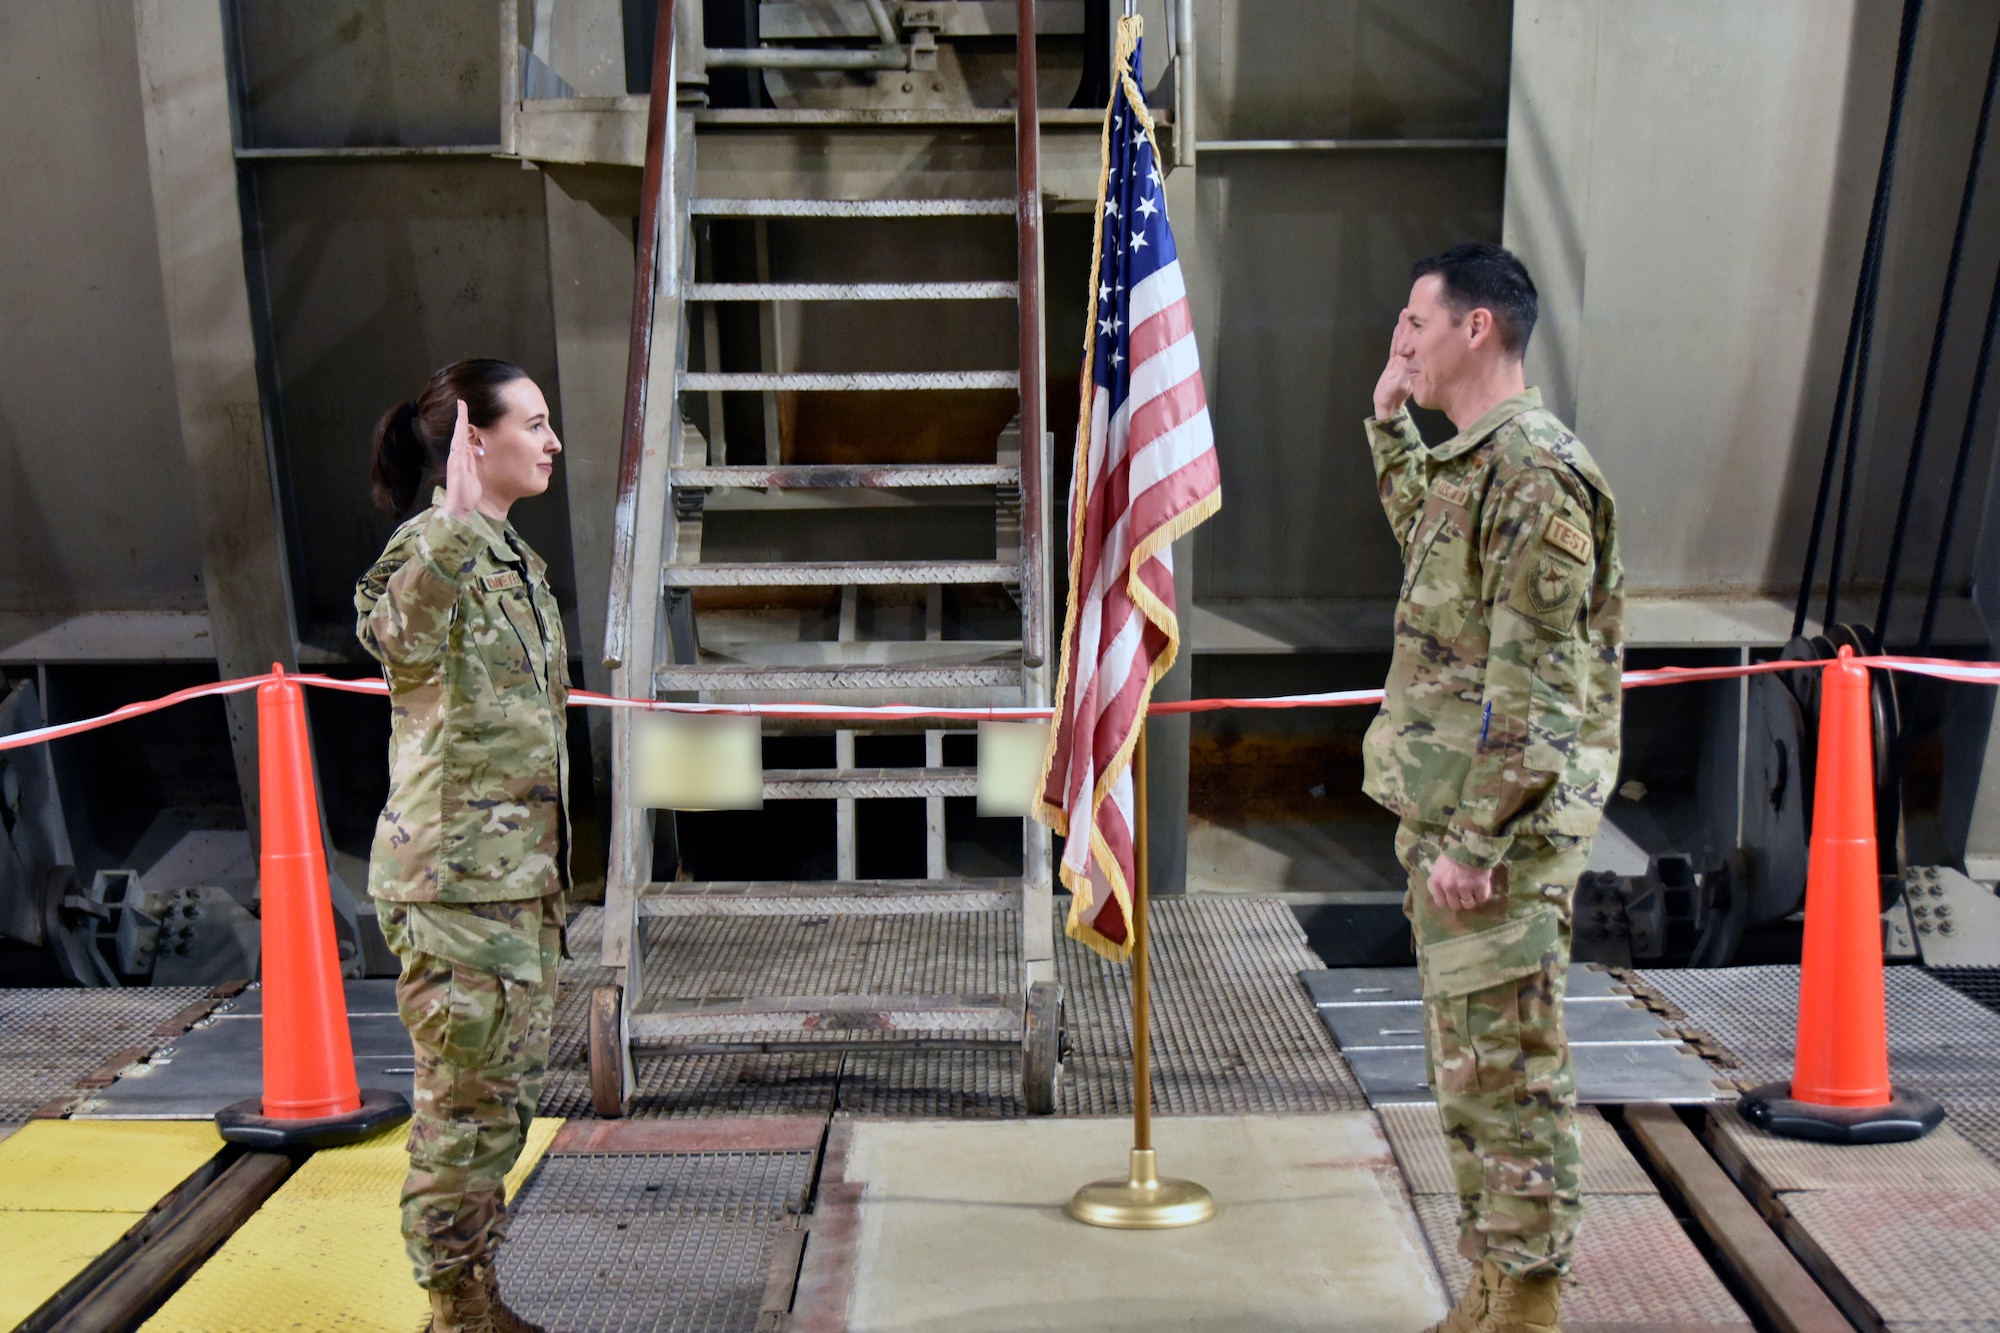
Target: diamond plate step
[725, 381]
[851, 208]
[827, 1016]
[812, 476]
[835, 573]
[862, 784]
[857, 897]
[835, 679]
[853, 291]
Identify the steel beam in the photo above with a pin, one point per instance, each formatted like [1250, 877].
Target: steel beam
[184, 82]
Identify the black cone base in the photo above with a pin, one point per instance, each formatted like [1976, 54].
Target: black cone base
[1909, 1115]
[245, 1123]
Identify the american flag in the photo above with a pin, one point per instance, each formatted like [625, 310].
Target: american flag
[1146, 473]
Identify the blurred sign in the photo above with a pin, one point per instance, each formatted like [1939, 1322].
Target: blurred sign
[1010, 766]
[685, 761]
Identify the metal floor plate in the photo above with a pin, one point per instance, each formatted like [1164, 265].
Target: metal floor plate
[1634, 1265]
[655, 1243]
[221, 1061]
[1399, 985]
[1402, 1024]
[364, 996]
[50, 1038]
[1655, 1072]
[1933, 1265]
[1942, 1160]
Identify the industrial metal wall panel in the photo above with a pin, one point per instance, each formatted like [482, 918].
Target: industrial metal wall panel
[1310, 255]
[379, 272]
[368, 72]
[1353, 68]
[95, 508]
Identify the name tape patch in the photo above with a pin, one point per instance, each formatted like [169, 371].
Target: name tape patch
[501, 581]
[1452, 493]
[1567, 538]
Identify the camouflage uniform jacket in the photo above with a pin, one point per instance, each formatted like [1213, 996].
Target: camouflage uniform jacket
[1501, 712]
[460, 615]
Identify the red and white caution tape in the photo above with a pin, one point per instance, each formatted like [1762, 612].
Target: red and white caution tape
[1970, 673]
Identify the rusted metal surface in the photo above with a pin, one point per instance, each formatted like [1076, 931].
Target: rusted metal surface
[653, 188]
[807, 784]
[776, 1133]
[811, 477]
[833, 573]
[852, 208]
[828, 681]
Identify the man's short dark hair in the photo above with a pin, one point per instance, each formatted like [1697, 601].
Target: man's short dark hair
[1479, 273]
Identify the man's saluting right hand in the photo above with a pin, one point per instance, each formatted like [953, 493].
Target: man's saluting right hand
[1393, 389]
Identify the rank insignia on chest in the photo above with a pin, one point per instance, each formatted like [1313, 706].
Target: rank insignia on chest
[1567, 538]
[1452, 493]
[501, 581]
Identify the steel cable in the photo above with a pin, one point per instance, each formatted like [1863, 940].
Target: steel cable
[1959, 468]
[1926, 401]
[1859, 324]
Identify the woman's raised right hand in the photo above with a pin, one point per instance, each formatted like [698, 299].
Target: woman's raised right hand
[462, 488]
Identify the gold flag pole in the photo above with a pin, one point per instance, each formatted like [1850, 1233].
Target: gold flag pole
[1143, 1200]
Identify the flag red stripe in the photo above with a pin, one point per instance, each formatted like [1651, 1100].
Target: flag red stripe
[1155, 334]
[1157, 505]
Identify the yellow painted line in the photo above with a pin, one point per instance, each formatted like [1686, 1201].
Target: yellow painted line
[325, 1252]
[69, 1189]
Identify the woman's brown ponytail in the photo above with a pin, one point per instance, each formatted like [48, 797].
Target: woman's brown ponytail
[413, 438]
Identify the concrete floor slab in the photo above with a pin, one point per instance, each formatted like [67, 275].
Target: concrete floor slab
[960, 1226]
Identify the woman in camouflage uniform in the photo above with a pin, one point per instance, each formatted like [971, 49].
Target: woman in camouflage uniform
[471, 855]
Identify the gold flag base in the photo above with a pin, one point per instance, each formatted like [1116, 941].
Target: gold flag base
[1142, 1202]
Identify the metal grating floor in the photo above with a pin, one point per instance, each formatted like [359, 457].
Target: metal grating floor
[1233, 1032]
[1940, 1042]
[50, 1038]
[1910, 1228]
[1414, 1132]
[1976, 983]
[1635, 1266]
[655, 1243]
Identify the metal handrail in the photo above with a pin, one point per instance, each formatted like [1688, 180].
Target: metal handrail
[1184, 85]
[1028, 210]
[889, 55]
[655, 191]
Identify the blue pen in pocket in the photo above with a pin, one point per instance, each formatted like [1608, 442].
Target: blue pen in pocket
[1485, 722]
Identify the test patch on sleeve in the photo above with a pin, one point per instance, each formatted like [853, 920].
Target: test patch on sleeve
[1567, 538]
[501, 581]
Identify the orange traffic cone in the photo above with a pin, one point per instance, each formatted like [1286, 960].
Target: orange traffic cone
[310, 1092]
[1840, 1090]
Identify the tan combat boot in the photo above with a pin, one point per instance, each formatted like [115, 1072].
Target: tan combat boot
[463, 1307]
[1471, 1308]
[1521, 1304]
[504, 1319]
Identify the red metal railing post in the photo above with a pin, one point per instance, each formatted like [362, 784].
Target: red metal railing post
[1028, 213]
[653, 189]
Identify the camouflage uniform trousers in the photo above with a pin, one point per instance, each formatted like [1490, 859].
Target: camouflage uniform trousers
[1499, 1059]
[477, 993]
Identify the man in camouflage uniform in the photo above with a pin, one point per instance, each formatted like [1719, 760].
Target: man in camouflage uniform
[469, 867]
[1497, 744]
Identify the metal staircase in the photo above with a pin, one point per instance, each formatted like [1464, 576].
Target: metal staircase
[699, 526]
